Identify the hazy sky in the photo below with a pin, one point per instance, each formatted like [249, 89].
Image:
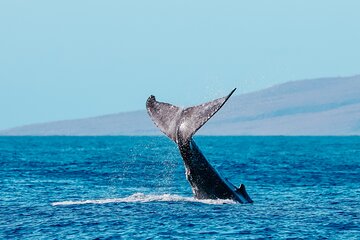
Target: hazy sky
[73, 59]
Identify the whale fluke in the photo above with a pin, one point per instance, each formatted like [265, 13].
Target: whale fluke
[181, 124]
[164, 115]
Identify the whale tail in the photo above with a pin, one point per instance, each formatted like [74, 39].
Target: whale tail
[181, 124]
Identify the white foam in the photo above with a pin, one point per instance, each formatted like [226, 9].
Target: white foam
[143, 198]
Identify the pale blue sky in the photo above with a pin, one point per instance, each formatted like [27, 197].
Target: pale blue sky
[73, 59]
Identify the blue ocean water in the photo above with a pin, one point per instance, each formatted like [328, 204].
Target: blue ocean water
[135, 188]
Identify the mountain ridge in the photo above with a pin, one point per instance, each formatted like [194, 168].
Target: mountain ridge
[323, 106]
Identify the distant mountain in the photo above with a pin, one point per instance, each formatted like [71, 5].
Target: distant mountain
[327, 106]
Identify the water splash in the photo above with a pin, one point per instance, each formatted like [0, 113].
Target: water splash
[143, 198]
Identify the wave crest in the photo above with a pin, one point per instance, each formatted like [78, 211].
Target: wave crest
[143, 198]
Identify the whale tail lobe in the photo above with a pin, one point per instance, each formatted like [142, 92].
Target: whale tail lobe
[181, 124]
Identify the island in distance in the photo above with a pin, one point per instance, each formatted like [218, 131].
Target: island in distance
[317, 107]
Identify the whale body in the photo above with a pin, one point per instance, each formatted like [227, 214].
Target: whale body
[180, 125]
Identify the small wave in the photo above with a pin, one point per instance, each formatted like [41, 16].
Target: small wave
[143, 198]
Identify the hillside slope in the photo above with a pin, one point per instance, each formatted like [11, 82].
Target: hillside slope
[327, 106]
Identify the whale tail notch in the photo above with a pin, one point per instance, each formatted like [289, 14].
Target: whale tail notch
[181, 124]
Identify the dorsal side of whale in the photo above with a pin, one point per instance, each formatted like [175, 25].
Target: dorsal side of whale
[181, 124]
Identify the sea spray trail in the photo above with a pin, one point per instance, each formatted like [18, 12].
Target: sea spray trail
[142, 198]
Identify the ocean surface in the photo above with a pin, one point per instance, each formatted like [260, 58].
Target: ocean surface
[135, 188]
